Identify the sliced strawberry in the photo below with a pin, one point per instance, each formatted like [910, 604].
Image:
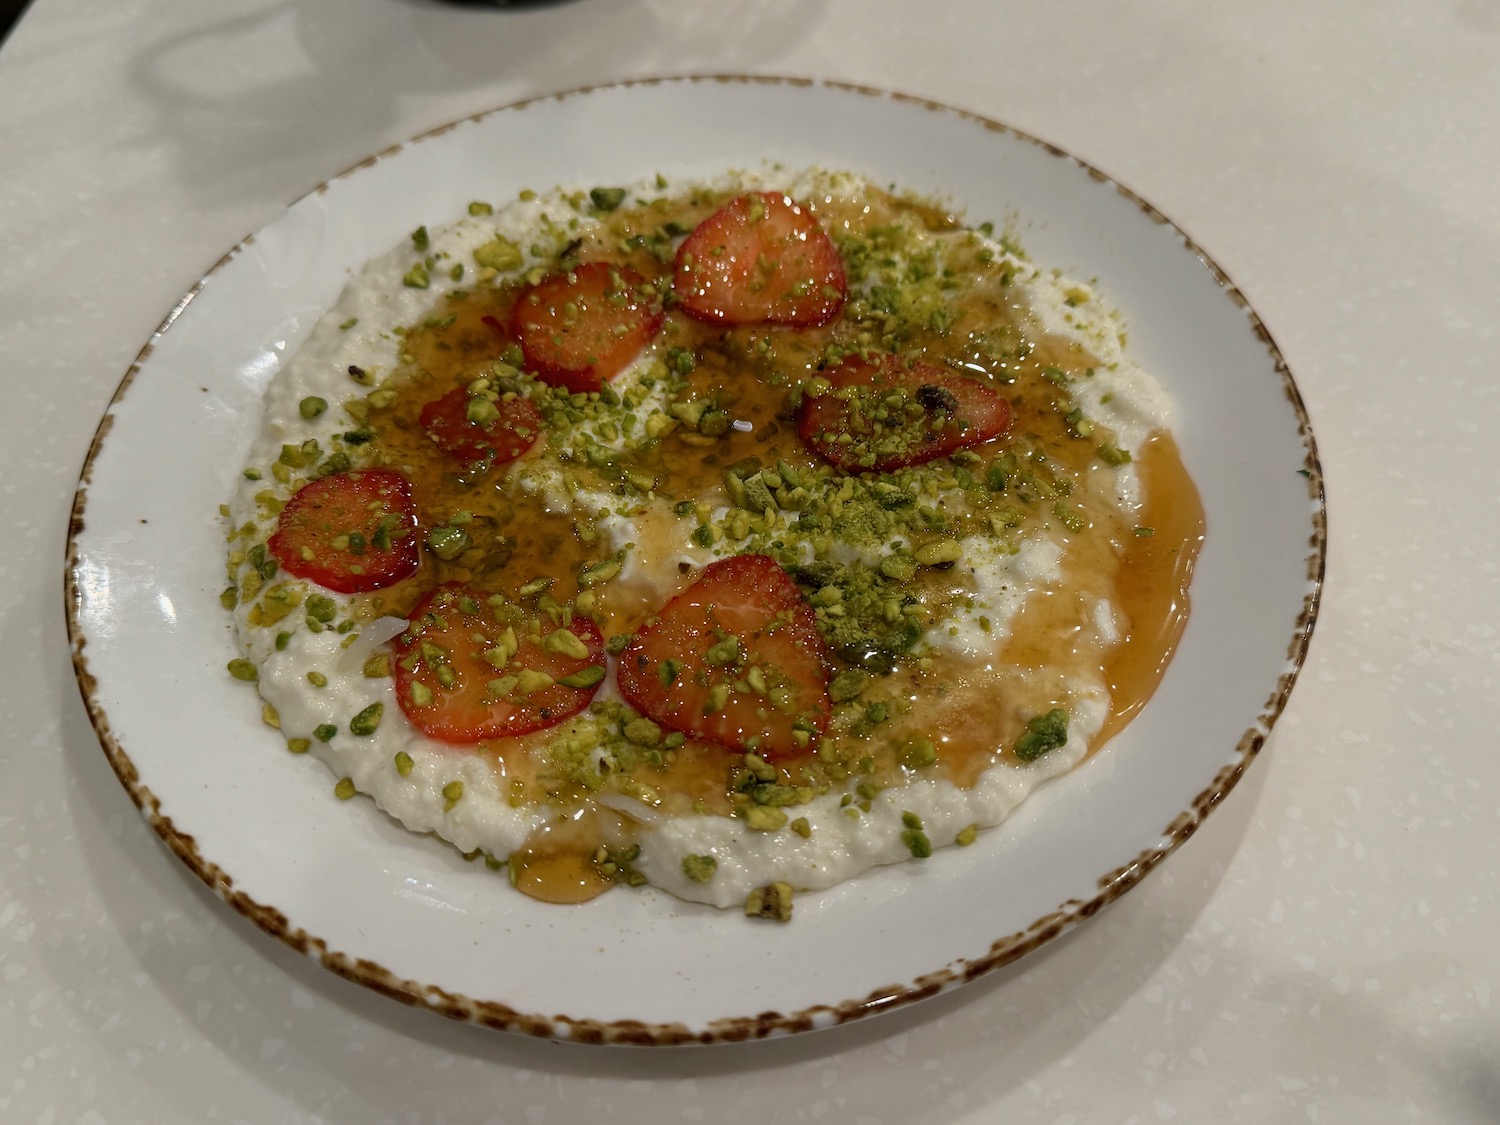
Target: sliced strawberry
[467, 670]
[762, 259]
[581, 328]
[893, 412]
[471, 428]
[351, 532]
[735, 659]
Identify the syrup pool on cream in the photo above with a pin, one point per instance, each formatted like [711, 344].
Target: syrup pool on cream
[1028, 619]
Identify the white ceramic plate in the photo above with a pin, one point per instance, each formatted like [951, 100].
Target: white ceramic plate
[405, 914]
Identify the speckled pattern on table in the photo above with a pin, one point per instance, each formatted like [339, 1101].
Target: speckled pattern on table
[1322, 950]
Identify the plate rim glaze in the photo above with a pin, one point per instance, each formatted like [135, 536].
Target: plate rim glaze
[493, 1012]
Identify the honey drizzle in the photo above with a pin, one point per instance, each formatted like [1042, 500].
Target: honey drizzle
[1151, 584]
[972, 714]
[556, 863]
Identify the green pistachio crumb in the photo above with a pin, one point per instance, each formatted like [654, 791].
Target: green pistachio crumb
[378, 666]
[344, 789]
[917, 843]
[447, 543]
[323, 732]
[763, 818]
[718, 696]
[298, 745]
[642, 732]
[848, 685]
[967, 836]
[761, 769]
[566, 643]
[312, 406]
[773, 902]
[453, 792]
[535, 586]
[481, 411]
[598, 573]
[403, 763]
[416, 277]
[899, 567]
[607, 198]
[699, 868]
[1043, 733]
[500, 254]
[242, 669]
[584, 678]
[529, 681]
[317, 679]
[367, 721]
[918, 753]
[802, 827]
[1069, 517]
[939, 552]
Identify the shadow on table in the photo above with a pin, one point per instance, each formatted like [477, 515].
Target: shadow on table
[240, 97]
[10, 14]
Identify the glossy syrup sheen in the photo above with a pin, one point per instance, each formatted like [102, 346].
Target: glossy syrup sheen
[972, 712]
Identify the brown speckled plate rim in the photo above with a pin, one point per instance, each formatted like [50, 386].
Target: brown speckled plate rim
[491, 1013]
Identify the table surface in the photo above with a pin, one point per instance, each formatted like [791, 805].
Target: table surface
[1323, 948]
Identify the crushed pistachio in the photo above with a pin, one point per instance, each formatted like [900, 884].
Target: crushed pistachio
[584, 678]
[607, 198]
[918, 753]
[699, 868]
[499, 254]
[447, 543]
[567, 643]
[368, 720]
[1043, 733]
[242, 669]
[773, 901]
[763, 818]
[917, 843]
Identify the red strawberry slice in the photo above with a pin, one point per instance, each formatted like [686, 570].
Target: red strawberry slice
[467, 670]
[581, 328]
[471, 428]
[734, 659]
[893, 412]
[762, 259]
[350, 532]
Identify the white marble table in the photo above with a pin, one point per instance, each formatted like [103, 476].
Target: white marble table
[1324, 949]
